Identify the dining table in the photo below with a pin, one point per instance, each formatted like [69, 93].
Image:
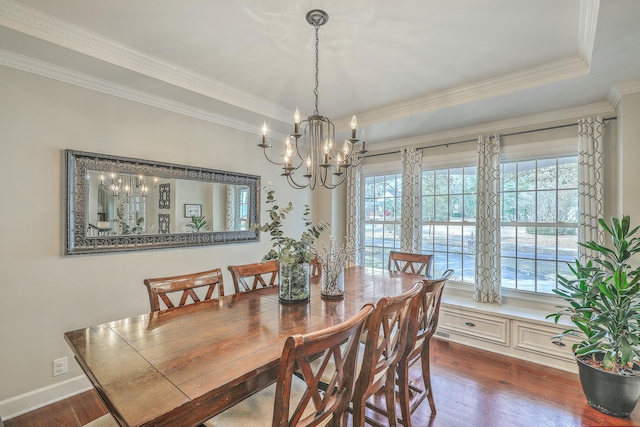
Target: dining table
[183, 365]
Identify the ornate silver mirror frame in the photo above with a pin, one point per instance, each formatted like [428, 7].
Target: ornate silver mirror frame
[80, 166]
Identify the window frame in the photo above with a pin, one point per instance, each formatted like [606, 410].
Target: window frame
[512, 149]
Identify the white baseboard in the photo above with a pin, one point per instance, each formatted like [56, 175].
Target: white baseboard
[44, 396]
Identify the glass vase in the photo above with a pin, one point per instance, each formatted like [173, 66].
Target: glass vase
[332, 282]
[294, 282]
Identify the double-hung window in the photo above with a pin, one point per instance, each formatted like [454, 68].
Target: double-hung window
[381, 221]
[449, 220]
[539, 219]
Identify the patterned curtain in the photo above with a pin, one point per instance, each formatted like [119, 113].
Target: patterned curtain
[353, 213]
[230, 217]
[487, 285]
[590, 183]
[410, 234]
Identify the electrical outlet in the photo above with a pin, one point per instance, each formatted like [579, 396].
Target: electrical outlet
[59, 366]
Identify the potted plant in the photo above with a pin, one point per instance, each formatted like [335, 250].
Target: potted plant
[293, 255]
[198, 224]
[604, 304]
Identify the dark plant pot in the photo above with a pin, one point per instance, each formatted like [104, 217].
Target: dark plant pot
[607, 392]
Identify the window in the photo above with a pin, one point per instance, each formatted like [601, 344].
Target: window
[242, 208]
[539, 218]
[382, 200]
[449, 220]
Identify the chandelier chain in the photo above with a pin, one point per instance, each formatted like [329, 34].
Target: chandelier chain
[315, 91]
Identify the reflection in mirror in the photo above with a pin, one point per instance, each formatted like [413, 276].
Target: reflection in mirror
[117, 204]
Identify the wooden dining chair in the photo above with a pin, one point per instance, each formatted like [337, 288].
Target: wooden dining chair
[316, 267]
[240, 273]
[423, 322]
[385, 343]
[297, 401]
[409, 262]
[159, 288]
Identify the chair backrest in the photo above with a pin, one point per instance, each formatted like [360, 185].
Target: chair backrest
[159, 288]
[423, 320]
[386, 339]
[338, 344]
[316, 267]
[409, 262]
[239, 273]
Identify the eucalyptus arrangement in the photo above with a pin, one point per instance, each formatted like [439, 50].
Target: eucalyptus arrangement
[293, 254]
[125, 228]
[198, 224]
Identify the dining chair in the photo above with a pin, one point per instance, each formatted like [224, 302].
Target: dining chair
[422, 324]
[297, 401]
[409, 262]
[240, 273]
[316, 267]
[385, 343]
[159, 288]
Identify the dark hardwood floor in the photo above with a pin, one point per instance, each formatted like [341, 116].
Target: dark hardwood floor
[472, 388]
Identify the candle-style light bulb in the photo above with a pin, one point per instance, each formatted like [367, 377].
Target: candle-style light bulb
[264, 129]
[287, 147]
[308, 164]
[296, 123]
[363, 139]
[102, 179]
[354, 124]
[326, 152]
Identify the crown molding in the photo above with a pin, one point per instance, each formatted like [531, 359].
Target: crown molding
[48, 28]
[618, 91]
[525, 79]
[32, 22]
[518, 123]
[589, 10]
[44, 69]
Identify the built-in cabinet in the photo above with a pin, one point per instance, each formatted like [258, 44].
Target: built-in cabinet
[521, 333]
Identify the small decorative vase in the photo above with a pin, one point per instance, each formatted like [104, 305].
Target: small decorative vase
[332, 282]
[294, 282]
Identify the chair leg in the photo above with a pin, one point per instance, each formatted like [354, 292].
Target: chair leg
[358, 412]
[390, 395]
[403, 392]
[426, 377]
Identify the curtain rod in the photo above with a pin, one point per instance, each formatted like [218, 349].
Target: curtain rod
[446, 144]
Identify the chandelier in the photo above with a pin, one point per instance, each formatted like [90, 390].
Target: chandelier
[312, 149]
[126, 186]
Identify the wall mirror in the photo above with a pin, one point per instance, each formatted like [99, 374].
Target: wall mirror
[122, 204]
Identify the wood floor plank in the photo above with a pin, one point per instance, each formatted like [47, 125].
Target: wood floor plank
[472, 388]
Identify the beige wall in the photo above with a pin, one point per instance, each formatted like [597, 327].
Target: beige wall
[628, 173]
[44, 294]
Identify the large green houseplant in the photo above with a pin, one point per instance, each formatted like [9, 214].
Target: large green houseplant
[293, 255]
[603, 299]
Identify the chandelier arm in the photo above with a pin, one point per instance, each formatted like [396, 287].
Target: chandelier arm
[298, 150]
[294, 184]
[271, 161]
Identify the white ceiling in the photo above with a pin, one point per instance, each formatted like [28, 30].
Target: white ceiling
[408, 68]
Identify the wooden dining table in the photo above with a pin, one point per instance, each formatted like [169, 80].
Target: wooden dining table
[181, 366]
